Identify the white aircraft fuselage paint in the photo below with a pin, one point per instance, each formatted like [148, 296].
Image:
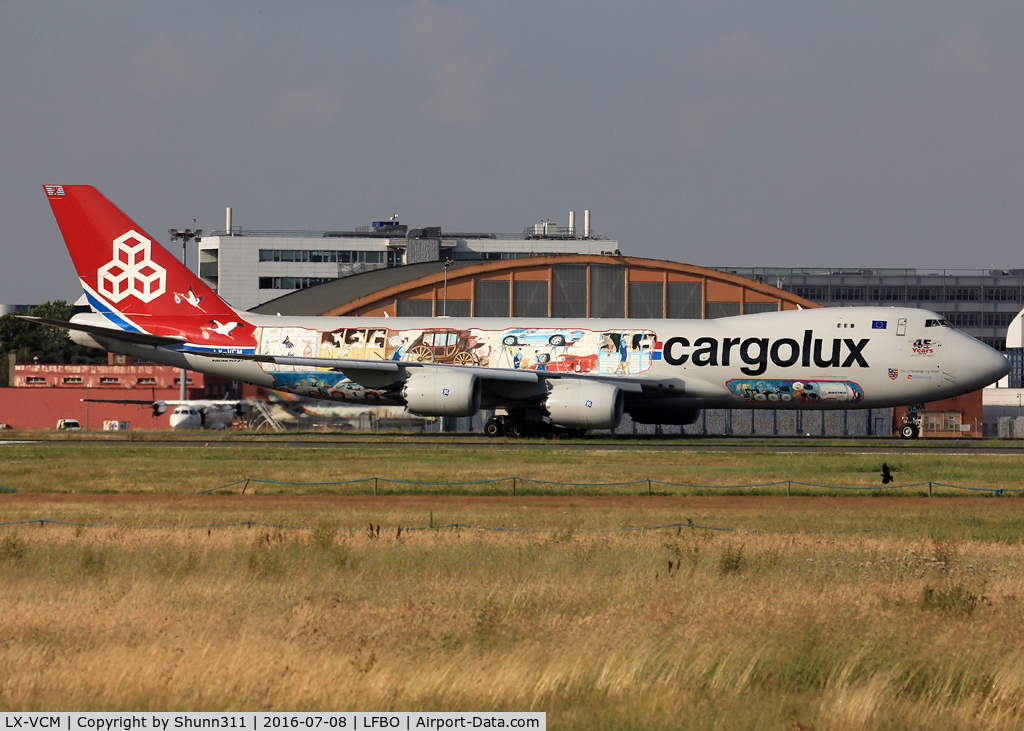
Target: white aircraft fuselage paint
[820, 358]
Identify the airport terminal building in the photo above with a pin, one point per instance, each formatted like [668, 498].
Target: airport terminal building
[980, 302]
[248, 268]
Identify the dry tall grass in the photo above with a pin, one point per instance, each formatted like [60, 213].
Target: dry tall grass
[667, 629]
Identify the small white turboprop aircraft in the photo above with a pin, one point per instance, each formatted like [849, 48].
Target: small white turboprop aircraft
[540, 374]
[194, 414]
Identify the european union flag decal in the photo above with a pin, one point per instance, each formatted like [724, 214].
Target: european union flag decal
[878, 324]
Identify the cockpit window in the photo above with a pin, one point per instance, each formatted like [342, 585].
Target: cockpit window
[937, 323]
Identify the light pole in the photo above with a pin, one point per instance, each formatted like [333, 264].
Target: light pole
[185, 236]
[447, 263]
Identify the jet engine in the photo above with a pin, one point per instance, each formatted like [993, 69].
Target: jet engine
[582, 405]
[442, 392]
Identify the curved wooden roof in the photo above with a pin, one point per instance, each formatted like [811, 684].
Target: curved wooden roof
[374, 293]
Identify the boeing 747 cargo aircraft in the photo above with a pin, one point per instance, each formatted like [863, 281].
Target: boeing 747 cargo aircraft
[538, 375]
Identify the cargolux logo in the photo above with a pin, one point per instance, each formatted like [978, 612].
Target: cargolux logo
[756, 352]
[132, 271]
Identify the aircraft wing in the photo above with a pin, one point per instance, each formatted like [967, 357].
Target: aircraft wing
[352, 368]
[128, 337]
[353, 365]
[203, 403]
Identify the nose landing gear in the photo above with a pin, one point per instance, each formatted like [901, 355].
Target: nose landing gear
[910, 431]
[911, 428]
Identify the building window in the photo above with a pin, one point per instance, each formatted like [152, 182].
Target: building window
[752, 308]
[491, 299]
[454, 308]
[887, 294]
[964, 319]
[848, 294]
[569, 290]
[645, 299]
[963, 294]
[714, 310]
[924, 294]
[530, 299]
[816, 294]
[326, 256]
[292, 282]
[1001, 294]
[1016, 356]
[413, 308]
[941, 420]
[683, 300]
[607, 290]
[999, 319]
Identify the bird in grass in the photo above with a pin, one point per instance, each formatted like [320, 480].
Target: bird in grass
[886, 474]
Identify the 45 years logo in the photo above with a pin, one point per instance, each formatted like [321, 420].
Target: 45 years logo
[922, 346]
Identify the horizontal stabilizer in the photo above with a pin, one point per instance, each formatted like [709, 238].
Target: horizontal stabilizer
[108, 332]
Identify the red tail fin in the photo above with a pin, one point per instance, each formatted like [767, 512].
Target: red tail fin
[123, 270]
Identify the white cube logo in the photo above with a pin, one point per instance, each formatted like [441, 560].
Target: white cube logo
[131, 271]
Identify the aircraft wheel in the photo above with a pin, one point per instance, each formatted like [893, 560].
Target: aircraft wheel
[515, 429]
[493, 428]
[908, 431]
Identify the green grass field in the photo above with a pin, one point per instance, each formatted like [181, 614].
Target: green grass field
[127, 468]
[824, 612]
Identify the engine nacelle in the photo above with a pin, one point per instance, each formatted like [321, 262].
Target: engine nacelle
[585, 405]
[442, 392]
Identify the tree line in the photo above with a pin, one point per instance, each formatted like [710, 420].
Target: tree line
[35, 343]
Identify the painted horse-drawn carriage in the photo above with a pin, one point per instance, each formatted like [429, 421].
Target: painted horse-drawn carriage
[450, 347]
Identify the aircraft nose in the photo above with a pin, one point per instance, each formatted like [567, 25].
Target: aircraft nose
[983, 365]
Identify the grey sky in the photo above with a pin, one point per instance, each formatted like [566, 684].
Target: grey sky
[726, 134]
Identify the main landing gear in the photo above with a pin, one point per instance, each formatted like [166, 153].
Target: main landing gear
[517, 426]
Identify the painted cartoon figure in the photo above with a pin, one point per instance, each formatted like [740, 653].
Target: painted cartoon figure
[623, 353]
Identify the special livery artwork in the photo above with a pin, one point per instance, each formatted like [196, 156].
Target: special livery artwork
[846, 392]
[626, 352]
